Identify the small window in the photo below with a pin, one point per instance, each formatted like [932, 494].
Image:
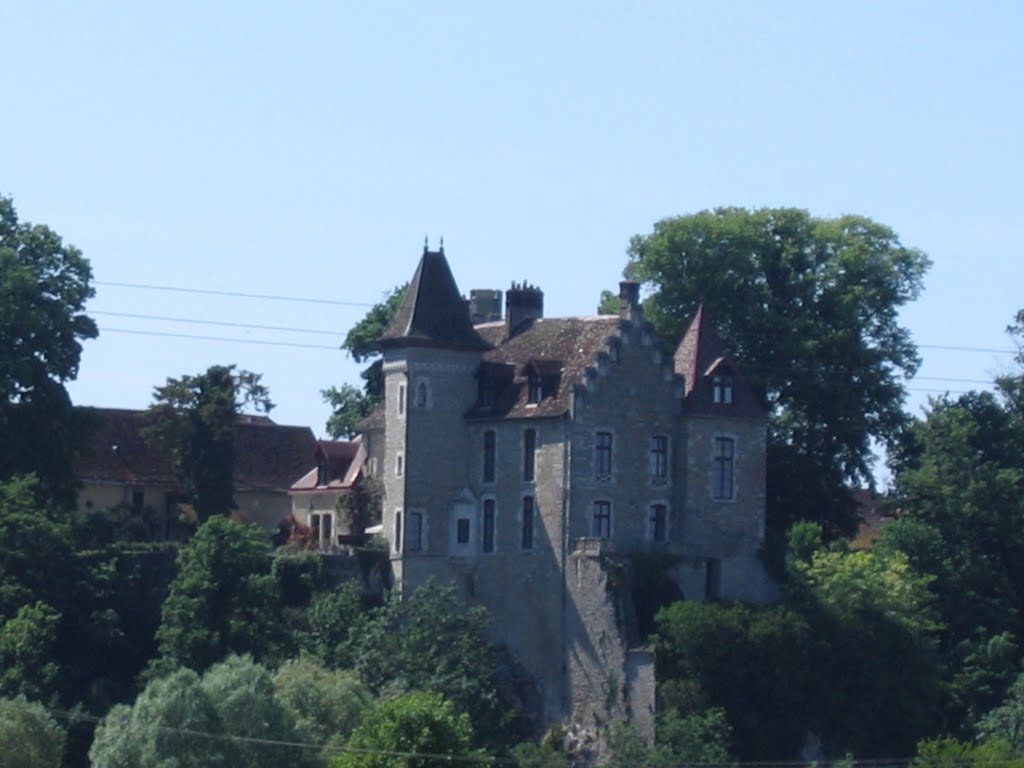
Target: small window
[721, 388]
[325, 531]
[401, 399]
[321, 472]
[488, 527]
[527, 539]
[536, 389]
[399, 465]
[421, 395]
[488, 393]
[398, 530]
[462, 530]
[713, 579]
[138, 499]
[603, 457]
[722, 472]
[489, 455]
[601, 522]
[529, 454]
[658, 459]
[414, 532]
[659, 522]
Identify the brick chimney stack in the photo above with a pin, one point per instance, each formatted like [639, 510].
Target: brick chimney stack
[523, 302]
[629, 301]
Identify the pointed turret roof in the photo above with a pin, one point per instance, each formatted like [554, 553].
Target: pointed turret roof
[700, 356]
[433, 313]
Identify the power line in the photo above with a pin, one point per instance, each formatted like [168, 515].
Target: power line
[235, 294]
[262, 342]
[289, 329]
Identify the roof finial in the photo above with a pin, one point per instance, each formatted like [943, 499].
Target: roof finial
[425, 245]
[442, 245]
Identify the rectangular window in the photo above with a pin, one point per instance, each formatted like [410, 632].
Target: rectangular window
[603, 456]
[659, 522]
[401, 399]
[659, 459]
[713, 579]
[489, 456]
[721, 389]
[398, 530]
[488, 539]
[138, 500]
[722, 479]
[527, 541]
[414, 531]
[462, 530]
[536, 389]
[325, 538]
[601, 523]
[529, 449]
[399, 465]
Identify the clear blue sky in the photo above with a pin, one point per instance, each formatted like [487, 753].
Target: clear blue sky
[305, 149]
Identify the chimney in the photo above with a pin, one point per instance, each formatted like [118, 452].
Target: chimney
[523, 303]
[484, 305]
[629, 301]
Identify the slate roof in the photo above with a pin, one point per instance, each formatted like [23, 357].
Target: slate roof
[433, 312]
[700, 355]
[268, 456]
[558, 350]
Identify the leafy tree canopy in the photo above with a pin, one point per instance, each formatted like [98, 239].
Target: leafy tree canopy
[415, 730]
[809, 308]
[349, 403]
[223, 600]
[427, 640]
[228, 717]
[196, 416]
[30, 737]
[325, 703]
[44, 285]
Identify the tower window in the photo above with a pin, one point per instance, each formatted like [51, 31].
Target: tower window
[421, 395]
[527, 538]
[658, 459]
[529, 454]
[603, 456]
[601, 522]
[401, 400]
[723, 468]
[490, 449]
[414, 532]
[659, 522]
[488, 527]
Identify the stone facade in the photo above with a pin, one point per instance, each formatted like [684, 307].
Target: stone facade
[527, 459]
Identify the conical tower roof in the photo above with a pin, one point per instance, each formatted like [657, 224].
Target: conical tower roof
[433, 313]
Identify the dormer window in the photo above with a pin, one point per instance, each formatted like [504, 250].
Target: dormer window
[321, 472]
[721, 388]
[536, 389]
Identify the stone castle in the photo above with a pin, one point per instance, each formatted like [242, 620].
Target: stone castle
[527, 459]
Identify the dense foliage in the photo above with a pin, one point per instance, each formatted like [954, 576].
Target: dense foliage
[44, 285]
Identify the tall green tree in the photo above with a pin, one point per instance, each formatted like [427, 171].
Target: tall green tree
[224, 599]
[196, 416]
[350, 404]
[44, 285]
[809, 308]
